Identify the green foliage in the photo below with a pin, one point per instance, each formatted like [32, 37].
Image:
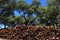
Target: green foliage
[9, 6]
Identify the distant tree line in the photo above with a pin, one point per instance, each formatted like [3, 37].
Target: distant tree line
[33, 14]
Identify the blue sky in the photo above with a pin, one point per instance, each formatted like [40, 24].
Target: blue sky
[43, 3]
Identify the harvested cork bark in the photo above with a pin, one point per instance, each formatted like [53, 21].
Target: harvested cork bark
[30, 33]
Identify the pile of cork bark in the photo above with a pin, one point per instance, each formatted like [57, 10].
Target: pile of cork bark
[31, 33]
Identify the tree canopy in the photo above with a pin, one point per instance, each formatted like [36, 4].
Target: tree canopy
[33, 14]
